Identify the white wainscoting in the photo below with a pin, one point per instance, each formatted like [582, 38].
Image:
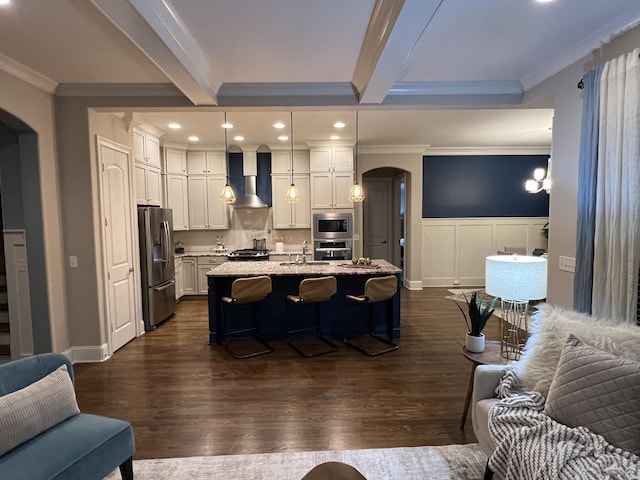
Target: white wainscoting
[454, 249]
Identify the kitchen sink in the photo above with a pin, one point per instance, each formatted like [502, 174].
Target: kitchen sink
[285, 264]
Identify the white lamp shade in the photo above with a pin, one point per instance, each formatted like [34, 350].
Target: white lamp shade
[516, 277]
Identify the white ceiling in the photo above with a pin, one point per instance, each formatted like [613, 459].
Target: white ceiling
[444, 73]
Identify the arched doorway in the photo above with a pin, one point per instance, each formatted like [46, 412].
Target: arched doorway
[383, 223]
[23, 285]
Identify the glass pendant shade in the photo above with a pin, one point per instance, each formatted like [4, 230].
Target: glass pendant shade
[292, 195]
[227, 195]
[356, 194]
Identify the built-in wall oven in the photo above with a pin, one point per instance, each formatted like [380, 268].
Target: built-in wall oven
[332, 236]
[331, 249]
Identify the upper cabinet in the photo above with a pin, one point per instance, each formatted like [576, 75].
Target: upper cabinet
[291, 215]
[147, 175]
[281, 162]
[206, 163]
[331, 177]
[175, 161]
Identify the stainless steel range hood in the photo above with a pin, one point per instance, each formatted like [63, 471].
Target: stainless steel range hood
[250, 198]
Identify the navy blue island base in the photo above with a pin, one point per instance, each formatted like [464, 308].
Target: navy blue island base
[285, 281]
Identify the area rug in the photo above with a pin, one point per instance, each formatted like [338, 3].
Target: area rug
[464, 462]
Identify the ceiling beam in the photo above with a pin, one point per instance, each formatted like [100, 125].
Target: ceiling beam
[156, 29]
[393, 35]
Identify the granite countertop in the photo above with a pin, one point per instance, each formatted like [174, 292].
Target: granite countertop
[210, 253]
[333, 267]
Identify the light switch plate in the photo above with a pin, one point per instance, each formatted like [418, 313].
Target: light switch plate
[567, 264]
[73, 261]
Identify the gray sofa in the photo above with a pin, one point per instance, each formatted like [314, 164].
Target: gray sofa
[572, 365]
[44, 435]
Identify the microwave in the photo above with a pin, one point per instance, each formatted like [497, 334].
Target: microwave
[332, 225]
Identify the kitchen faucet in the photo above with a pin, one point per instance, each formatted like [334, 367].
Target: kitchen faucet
[304, 252]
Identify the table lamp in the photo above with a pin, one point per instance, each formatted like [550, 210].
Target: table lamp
[516, 279]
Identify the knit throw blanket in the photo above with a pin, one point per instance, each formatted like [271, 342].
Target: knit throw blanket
[531, 445]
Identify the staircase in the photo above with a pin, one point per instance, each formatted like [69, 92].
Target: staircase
[5, 330]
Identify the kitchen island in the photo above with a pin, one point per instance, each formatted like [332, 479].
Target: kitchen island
[286, 278]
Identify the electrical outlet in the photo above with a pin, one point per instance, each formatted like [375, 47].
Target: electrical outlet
[567, 264]
[73, 261]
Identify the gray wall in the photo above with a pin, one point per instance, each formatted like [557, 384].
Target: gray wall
[11, 187]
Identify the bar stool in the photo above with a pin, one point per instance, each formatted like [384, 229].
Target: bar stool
[376, 289]
[312, 291]
[246, 292]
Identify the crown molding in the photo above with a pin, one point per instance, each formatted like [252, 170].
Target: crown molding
[117, 90]
[392, 149]
[27, 74]
[532, 150]
[330, 143]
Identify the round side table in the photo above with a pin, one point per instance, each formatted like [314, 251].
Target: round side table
[490, 356]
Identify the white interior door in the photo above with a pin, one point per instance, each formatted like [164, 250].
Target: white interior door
[377, 214]
[118, 239]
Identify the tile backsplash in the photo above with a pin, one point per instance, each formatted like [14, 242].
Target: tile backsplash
[245, 225]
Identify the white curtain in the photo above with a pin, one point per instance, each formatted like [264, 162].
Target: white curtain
[617, 234]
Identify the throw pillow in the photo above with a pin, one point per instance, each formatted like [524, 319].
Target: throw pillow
[32, 410]
[550, 327]
[598, 390]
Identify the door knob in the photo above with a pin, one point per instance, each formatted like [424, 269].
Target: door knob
[384, 241]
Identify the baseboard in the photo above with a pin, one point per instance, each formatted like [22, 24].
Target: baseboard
[92, 354]
[412, 284]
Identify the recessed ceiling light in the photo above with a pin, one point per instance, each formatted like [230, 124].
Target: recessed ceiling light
[278, 125]
[4, 2]
[339, 125]
[227, 125]
[283, 138]
[193, 138]
[544, 1]
[173, 126]
[238, 138]
[335, 137]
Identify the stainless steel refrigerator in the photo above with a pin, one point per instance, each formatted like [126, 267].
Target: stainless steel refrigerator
[157, 265]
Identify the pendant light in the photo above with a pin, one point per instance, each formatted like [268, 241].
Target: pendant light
[292, 195]
[227, 196]
[356, 194]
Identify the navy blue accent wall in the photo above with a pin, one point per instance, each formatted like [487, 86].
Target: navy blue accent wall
[236, 179]
[481, 186]
[263, 181]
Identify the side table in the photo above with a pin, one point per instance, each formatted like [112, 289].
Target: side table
[490, 356]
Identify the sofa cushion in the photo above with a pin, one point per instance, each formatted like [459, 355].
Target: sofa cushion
[481, 413]
[550, 328]
[36, 408]
[598, 390]
[84, 446]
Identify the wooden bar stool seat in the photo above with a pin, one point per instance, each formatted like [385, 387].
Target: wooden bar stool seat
[376, 289]
[311, 291]
[245, 292]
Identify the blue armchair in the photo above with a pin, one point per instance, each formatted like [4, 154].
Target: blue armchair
[81, 446]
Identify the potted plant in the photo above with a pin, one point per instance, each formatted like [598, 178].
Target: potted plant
[476, 319]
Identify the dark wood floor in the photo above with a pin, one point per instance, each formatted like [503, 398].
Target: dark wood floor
[186, 398]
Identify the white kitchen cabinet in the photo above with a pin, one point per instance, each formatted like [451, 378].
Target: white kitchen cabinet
[147, 184]
[331, 177]
[206, 211]
[290, 215]
[189, 276]
[179, 278]
[146, 147]
[147, 174]
[175, 161]
[206, 163]
[281, 162]
[331, 190]
[204, 265]
[177, 199]
[331, 159]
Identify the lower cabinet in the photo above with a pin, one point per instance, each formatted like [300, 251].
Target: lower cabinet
[179, 278]
[189, 276]
[204, 265]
